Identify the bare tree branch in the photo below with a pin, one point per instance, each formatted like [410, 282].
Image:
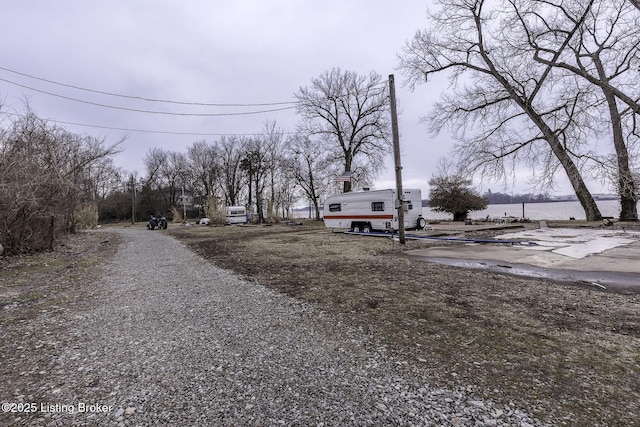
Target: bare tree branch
[353, 112]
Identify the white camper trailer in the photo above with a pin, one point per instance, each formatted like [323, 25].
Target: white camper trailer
[365, 211]
[236, 215]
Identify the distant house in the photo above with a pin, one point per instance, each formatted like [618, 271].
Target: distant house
[185, 201]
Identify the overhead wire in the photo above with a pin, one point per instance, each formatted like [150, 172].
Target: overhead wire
[169, 113]
[152, 131]
[292, 103]
[240, 113]
[145, 130]
[202, 104]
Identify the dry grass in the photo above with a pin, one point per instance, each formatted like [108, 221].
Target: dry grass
[32, 283]
[569, 355]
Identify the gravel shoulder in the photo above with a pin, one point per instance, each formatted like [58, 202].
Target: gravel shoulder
[150, 333]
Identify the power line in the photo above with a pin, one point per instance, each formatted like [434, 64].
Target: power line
[144, 130]
[373, 85]
[161, 131]
[295, 104]
[242, 113]
[202, 104]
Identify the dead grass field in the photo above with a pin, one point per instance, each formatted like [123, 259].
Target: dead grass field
[567, 354]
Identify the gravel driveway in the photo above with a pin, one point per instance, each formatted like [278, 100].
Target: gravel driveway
[169, 339]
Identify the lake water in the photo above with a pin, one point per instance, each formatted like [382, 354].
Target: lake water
[534, 211]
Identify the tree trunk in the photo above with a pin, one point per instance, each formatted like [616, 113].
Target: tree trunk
[346, 187]
[626, 184]
[259, 200]
[460, 216]
[316, 206]
[591, 210]
[250, 183]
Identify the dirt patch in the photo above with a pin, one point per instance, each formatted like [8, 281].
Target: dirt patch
[29, 279]
[568, 355]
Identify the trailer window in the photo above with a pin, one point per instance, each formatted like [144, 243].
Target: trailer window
[408, 206]
[334, 207]
[377, 206]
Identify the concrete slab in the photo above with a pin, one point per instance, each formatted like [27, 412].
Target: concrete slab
[600, 257]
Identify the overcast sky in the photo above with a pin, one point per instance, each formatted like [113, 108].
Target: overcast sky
[232, 52]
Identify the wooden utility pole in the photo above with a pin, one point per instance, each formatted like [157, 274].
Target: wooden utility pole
[396, 158]
[133, 200]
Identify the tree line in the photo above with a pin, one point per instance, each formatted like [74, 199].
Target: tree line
[344, 127]
[551, 86]
[52, 180]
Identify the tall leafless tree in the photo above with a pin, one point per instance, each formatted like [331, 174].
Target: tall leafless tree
[605, 51]
[352, 112]
[505, 106]
[274, 146]
[205, 169]
[167, 172]
[231, 150]
[256, 164]
[310, 168]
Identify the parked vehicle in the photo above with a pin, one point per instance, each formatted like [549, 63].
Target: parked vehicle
[153, 223]
[236, 215]
[366, 211]
[157, 223]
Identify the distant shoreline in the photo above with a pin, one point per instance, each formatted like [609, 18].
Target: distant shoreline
[567, 198]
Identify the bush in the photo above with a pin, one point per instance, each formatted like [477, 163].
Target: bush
[86, 215]
[215, 213]
[42, 169]
[176, 214]
[454, 194]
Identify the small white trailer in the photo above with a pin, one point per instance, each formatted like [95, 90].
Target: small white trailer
[236, 215]
[365, 211]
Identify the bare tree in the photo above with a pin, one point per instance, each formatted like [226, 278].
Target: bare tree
[167, 172]
[255, 163]
[205, 169]
[310, 168]
[233, 179]
[153, 199]
[43, 169]
[550, 55]
[510, 103]
[605, 52]
[274, 146]
[352, 112]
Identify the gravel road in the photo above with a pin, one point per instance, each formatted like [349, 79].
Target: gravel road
[167, 338]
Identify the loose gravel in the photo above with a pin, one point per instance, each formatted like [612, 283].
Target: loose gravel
[167, 338]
